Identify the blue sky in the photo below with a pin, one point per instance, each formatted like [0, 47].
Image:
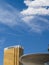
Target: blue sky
[25, 23]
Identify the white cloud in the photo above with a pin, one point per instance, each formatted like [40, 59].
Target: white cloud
[36, 7]
[37, 3]
[31, 15]
[11, 16]
[33, 11]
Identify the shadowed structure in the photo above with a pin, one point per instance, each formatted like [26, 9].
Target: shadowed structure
[35, 59]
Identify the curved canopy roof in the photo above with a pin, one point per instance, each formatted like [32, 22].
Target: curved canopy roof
[35, 58]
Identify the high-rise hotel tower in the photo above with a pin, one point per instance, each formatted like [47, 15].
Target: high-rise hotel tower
[12, 54]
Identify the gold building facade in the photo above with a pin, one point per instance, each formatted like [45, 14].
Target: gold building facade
[12, 55]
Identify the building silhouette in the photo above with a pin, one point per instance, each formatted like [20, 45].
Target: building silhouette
[12, 55]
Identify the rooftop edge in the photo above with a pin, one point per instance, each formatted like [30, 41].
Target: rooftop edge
[17, 46]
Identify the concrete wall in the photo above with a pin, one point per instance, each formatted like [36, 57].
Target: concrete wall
[11, 56]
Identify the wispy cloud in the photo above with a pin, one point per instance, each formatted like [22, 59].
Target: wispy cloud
[32, 15]
[9, 15]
